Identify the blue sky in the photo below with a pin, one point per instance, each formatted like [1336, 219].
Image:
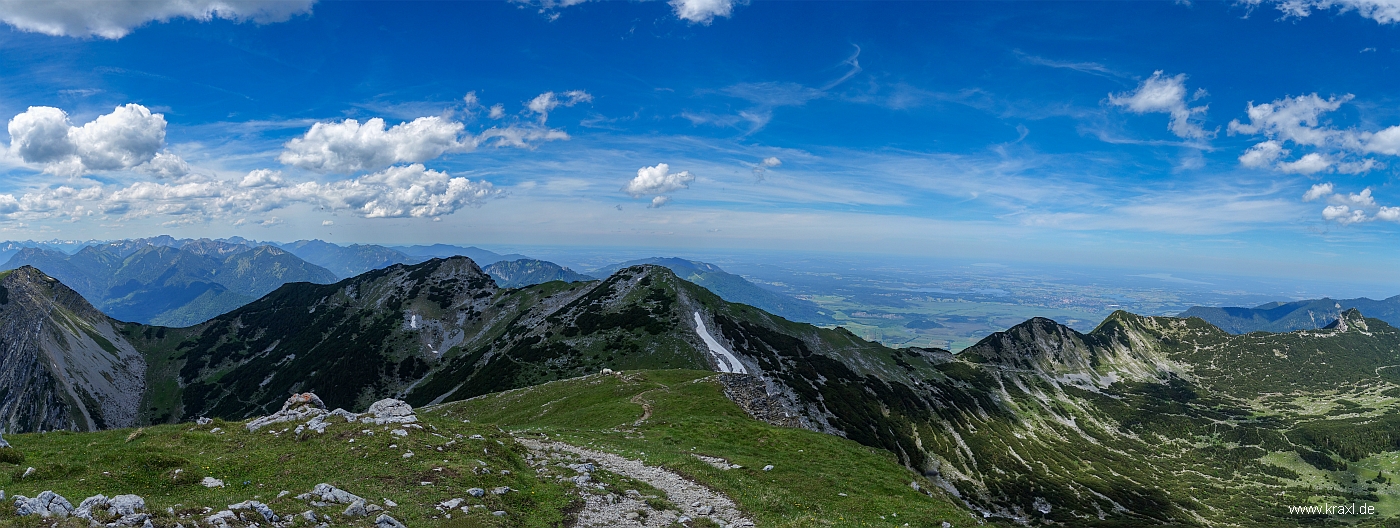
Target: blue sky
[1247, 138]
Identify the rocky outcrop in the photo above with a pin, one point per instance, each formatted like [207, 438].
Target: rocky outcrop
[63, 364]
[308, 408]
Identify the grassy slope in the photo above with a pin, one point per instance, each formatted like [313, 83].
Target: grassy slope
[691, 415]
[259, 465]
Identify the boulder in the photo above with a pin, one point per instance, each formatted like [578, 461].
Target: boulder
[95, 502]
[356, 509]
[385, 521]
[330, 494]
[389, 411]
[260, 508]
[127, 504]
[47, 504]
[297, 408]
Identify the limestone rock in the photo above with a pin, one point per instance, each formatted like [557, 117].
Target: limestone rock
[385, 521]
[47, 504]
[127, 504]
[299, 407]
[356, 509]
[389, 411]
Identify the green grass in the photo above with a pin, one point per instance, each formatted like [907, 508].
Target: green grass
[817, 480]
[165, 464]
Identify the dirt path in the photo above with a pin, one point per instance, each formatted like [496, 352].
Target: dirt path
[608, 507]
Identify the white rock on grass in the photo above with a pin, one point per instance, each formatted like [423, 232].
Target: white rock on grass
[328, 493]
[356, 509]
[262, 509]
[385, 521]
[47, 504]
[211, 482]
[389, 411]
[127, 504]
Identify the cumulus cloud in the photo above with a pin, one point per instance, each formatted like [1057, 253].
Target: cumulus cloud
[1292, 119]
[1382, 11]
[1166, 95]
[659, 201]
[128, 137]
[1263, 154]
[262, 178]
[658, 180]
[1350, 208]
[410, 191]
[1301, 121]
[165, 165]
[114, 19]
[702, 12]
[350, 146]
[1318, 191]
[1312, 163]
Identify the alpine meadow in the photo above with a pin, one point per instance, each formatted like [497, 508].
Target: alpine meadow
[699, 263]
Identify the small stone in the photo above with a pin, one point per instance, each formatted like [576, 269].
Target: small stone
[683, 519]
[476, 492]
[501, 490]
[309, 515]
[283, 493]
[408, 454]
[632, 516]
[705, 510]
[203, 421]
[211, 482]
[390, 504]
[399, 432]
[768, 467]
[27, 472]
[498, 513]
[449, 504]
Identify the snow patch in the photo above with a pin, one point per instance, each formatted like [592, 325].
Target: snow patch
[724, 358]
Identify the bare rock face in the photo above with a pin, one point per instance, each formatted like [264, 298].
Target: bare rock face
[298, 408]
[63, 364]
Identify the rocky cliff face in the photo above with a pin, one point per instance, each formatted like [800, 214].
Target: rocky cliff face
[63, 364]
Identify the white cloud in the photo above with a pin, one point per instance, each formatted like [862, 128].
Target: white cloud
[1293, 119]
[1263, 154]
[114, 19]
[1382, 11]
[165, 165]
[702, 11]
[1299, 120]
[760, 169]
[658, 180]
[1167, 95]
[350, 146]
[1311, 163]
[1318, 191]
[659, 201]
[497, 111]
[546, 102]
[1343, 215]
[327, 222]
[397, 192]
[128, 137]
[262, 178]
[1352, 208]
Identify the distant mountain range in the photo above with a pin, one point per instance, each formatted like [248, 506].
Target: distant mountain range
[1298, 315]
[528, 272]
[732, 288]
[171, 282]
